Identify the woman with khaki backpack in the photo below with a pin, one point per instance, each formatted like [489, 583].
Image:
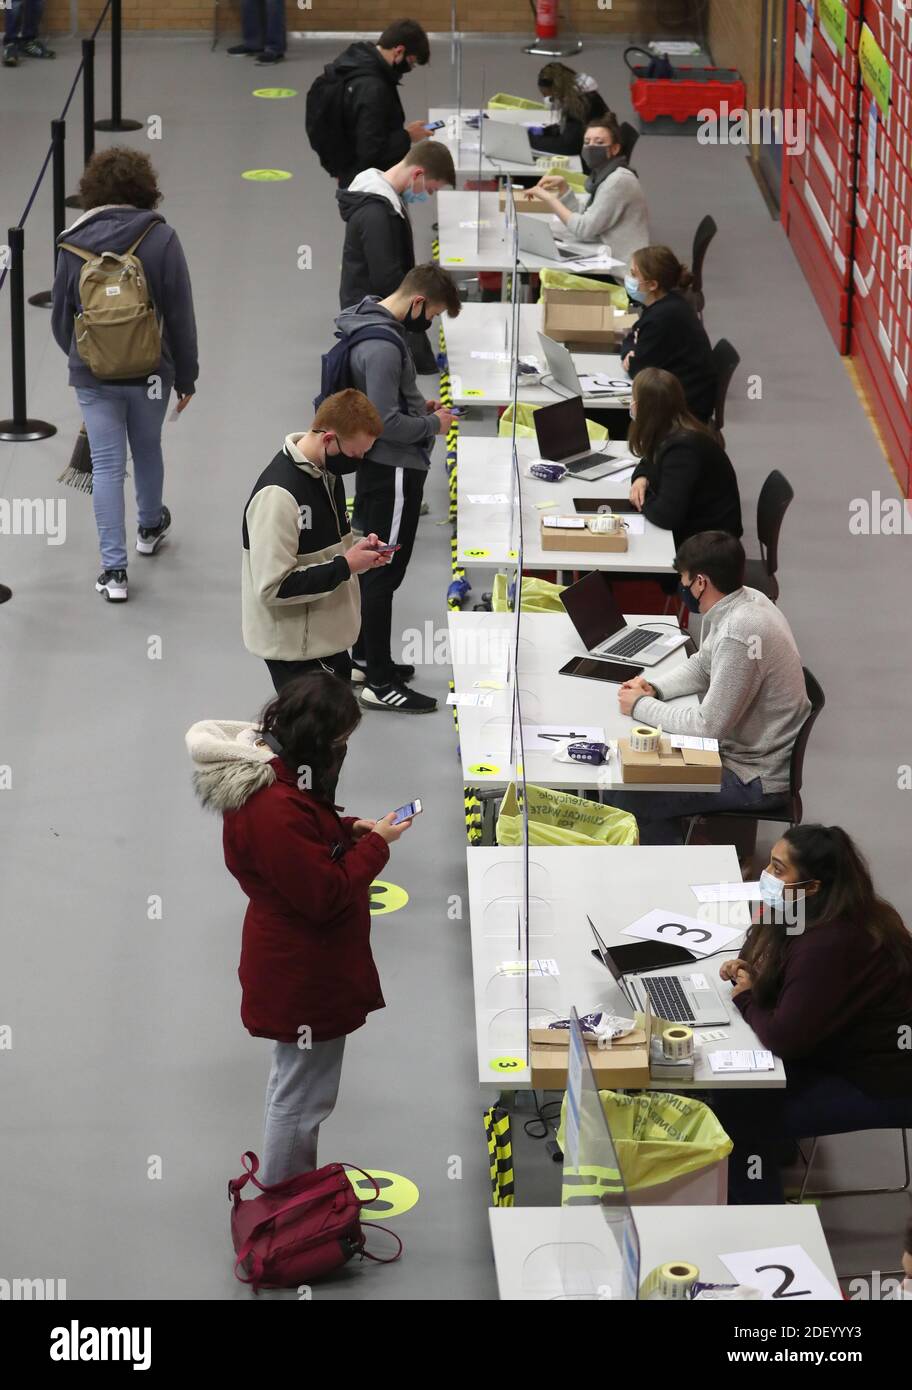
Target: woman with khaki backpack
[123, 313]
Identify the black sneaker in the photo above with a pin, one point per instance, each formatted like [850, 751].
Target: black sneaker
[113, 584]
[34, 48]
[149, 538]
[5, 593]
[10, 56]
[240, 50]
[401, 674]
[267, 57]
[397, 698]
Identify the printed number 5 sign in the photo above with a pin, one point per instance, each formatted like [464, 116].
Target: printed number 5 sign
[781, 1272]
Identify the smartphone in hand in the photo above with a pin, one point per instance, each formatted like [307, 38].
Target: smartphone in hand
[406, 812]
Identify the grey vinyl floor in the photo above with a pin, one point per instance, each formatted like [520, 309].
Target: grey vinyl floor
[127, 1045]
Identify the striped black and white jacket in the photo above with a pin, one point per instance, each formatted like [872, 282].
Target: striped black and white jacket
[299, 598]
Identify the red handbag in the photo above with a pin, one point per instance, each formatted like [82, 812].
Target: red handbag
[300, 1229]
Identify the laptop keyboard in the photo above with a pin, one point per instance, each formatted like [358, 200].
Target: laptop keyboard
[667, 997]
[590, 460]
[631, 644]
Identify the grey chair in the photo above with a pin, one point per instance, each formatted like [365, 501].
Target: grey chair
[775, 498]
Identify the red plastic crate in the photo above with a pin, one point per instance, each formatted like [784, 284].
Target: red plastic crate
[682, 97]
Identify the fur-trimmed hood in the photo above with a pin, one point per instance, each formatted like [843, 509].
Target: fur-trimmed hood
[229, 764]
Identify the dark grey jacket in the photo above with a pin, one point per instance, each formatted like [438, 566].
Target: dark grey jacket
[115, 229]
[377, 369]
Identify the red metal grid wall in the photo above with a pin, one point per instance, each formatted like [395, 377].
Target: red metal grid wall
[852, 235]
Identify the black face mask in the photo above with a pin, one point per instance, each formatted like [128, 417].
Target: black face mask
[594, 157]
[402, 68]
[416, 323]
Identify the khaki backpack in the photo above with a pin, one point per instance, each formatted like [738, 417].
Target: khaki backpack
[117, 330]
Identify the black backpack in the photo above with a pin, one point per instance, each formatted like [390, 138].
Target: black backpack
[324, 121]
[335, 368]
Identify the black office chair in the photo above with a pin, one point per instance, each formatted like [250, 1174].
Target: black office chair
[772, 505]
[702, 237]
[726, 359]
[629, 138]
[790, 811]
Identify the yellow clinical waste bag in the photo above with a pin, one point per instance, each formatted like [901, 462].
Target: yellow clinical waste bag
[525, 428]
[502, 101]
[559, 818]
[538, 595]
[564, 280]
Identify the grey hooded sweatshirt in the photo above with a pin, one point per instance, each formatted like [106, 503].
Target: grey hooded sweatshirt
[115, 229]
[387, 378]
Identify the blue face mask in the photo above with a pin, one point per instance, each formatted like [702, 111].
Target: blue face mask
[410, 196]
[690, 600]
[772, 889]
[632, 286]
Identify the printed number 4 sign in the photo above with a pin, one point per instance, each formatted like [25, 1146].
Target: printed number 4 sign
[780, 1272]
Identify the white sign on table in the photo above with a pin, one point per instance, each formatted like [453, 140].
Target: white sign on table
[664, 924]
[780, 1272]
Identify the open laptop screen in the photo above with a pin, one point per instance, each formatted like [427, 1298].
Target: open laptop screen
[561, 429]
[592, 608]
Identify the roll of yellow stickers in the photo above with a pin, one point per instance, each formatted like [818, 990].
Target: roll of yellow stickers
[644, 740]
[673, 1280]
[677, 1043]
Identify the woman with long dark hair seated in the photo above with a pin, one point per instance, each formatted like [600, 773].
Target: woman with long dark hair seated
[575, 100]
[825, 981]
[685, 481]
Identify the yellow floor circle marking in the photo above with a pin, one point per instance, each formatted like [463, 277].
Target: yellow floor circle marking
[397, 1194]
[386, 897]
[275, 93]
[266, 175]
[507, 1063]
[484, 769]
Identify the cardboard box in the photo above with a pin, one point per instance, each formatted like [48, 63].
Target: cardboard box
[581, 538]
[584, 316]
[667, 764]
[624, 1065]
[524, 201]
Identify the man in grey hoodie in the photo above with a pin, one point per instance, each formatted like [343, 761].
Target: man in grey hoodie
[751, 686]
[120, 191]
[390, 479]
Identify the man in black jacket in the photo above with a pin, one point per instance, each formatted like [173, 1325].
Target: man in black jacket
[376, 135]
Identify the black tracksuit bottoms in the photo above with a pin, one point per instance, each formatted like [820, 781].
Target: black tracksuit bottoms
[388, 503]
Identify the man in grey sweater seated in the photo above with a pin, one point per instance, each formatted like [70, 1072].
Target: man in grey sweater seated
[751, 687]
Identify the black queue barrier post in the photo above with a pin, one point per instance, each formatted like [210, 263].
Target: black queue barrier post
[117, 121]
[20, 429]
[42, 300]
[88, 111]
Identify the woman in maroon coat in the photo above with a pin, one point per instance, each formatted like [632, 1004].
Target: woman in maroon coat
[307, 973]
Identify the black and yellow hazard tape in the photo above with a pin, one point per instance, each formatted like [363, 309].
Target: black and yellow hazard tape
[473, 812]
[435, 249]
[500, 1156]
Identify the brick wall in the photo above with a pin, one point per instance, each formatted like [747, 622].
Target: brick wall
[635, 17]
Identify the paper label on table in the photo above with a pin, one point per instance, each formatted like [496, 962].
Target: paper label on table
[745, 1059]
[567, 523]
[696, 745]
[489, 685]
[473, 226]
[543, 506]
[490, 356]
[664, 924]
[634, 525]
[726, 892]
[488, 498]
[536, 967]
[781, 1272]
[544, 738]
[593, 387]
[470, 697]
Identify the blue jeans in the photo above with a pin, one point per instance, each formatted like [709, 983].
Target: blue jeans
[29, 12]
[252, 26]
[760, 1124]
[115, 412]
[659, 814]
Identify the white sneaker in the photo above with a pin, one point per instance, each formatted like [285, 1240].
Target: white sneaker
[149, 538]
[113, 584]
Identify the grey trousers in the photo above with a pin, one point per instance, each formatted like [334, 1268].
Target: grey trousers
[300, 1094]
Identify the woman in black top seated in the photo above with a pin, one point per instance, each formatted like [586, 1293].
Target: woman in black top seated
[668, 333]
[575, 99]
[685, 481]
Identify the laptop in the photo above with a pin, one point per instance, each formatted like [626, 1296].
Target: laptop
[593, 611]
[563, 437]
[508, 143]
[562, 368]
[676, 998]
[537, 239]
